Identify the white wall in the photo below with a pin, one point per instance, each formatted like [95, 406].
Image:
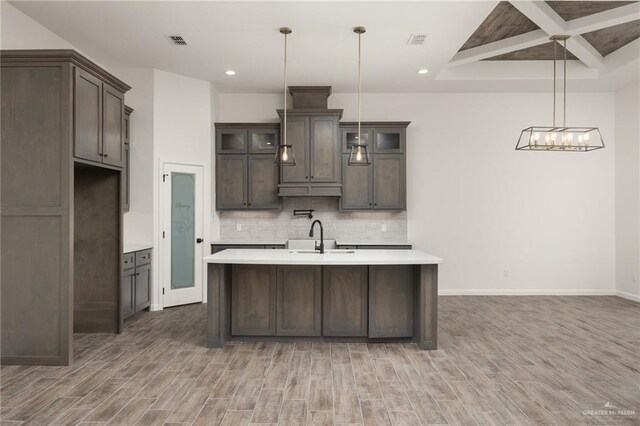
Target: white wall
[138, 221]
[181, 134]
[546, 218]
[19, 31]
[628, 192]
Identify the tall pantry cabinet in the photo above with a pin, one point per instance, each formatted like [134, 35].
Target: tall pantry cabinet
[63, 137]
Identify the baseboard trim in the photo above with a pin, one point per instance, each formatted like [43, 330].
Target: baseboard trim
[527, 293]
[629, 296]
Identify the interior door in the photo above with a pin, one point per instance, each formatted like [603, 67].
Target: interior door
[182, 227]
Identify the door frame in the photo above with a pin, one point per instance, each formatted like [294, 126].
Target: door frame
[163, 256]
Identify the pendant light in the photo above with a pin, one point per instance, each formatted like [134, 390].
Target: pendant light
[284, 154]
[359, 155]
[560, 138]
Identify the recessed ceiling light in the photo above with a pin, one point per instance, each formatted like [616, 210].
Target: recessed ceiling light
[230, 72]
[423, 71]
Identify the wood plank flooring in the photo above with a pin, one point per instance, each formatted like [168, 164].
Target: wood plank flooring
[502, 360]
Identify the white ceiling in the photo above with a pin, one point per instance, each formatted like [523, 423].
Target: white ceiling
[244, 36]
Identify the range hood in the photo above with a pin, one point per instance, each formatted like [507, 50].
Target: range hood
[313, 131]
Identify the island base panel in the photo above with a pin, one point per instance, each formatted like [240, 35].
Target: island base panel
[423, 307]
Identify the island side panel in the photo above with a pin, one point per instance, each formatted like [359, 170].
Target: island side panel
[217, 299]
[426, 312]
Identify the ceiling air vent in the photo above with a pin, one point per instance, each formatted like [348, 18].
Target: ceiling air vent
[178, 40]
[416, 39]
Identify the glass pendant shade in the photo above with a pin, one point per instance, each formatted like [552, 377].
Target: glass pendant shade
[284, 156]
[359, 156]
[576, 139]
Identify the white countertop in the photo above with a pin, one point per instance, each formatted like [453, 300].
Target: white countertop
[131, 247]
[258, 242]
[372, 243]
[358, 257]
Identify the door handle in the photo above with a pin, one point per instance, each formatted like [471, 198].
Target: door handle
[199, 240]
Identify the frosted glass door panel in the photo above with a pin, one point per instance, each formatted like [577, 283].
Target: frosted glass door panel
[183, 236]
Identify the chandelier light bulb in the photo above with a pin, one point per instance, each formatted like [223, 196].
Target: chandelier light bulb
[285, 155]
[359, 155]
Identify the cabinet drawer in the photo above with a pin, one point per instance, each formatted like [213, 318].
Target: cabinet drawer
[143, 257]
[128, 260]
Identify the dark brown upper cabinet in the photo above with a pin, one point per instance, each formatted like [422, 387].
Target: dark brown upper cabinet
[383, 184]
[314, 137]
[126, 160]
[262, 183]
[357, 186]
[246, 178]
[298, 137]
[88, 116]
[99, 120]
[389, 182]
[231, 141]
[113, 130]
[231, 182]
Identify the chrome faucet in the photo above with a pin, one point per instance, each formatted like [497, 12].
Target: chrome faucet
[321, 246]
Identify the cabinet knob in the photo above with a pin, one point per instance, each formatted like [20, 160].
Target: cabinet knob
[249, 203]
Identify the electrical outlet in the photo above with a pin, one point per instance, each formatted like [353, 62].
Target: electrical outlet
[384, 227]
[506, 273]
[238, 227]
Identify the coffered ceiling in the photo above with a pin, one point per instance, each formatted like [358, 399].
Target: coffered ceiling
[506, 21]
[470, 45]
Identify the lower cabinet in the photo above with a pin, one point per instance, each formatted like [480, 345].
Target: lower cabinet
[390, 301]
[127, 296]
[313, 301]
[344, 307]
[298, 302]
[253, 300]
[143, 287]
[135, 294]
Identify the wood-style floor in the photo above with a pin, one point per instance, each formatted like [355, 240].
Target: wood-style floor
[503, 360]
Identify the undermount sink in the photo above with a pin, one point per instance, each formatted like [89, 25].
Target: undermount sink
[308, 245]
[326, 251]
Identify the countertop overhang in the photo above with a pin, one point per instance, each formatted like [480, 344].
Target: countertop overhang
[358, 257]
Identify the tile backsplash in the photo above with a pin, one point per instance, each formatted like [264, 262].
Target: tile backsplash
[367, 225]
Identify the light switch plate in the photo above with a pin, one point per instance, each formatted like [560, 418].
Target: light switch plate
[384, 227]
[238, 227]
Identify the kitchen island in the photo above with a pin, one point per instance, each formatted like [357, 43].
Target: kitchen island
[340, 295]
